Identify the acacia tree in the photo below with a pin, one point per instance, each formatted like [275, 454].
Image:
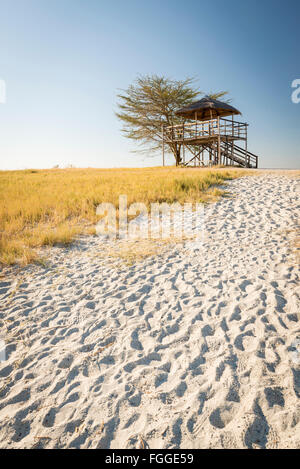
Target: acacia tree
[150, 103]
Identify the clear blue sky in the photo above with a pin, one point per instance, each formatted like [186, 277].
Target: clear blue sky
[64, 60]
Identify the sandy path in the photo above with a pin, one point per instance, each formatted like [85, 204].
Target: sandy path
[192, 349]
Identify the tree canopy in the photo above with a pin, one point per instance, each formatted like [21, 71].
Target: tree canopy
[149, 103]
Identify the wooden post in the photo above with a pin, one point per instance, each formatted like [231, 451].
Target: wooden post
[211, 132]
[183, 152]
[163, 145]
[246, 147]
[232, 141]
[219, 142]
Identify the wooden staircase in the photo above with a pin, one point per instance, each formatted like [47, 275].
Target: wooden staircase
[238, 155]
[232, 153]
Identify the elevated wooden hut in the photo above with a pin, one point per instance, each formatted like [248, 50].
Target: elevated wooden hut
[206, 138]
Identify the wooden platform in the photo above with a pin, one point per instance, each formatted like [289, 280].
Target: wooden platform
[214, 138]
[203, 139]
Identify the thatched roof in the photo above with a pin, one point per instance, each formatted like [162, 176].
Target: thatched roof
[207, 108]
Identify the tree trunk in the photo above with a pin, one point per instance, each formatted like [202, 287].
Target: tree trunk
[175, 149]
[177, 155]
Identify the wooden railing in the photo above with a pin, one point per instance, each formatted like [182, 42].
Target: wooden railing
[201, 129]
[240, 155]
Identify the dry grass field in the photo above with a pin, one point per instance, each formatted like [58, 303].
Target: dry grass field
[48, 207]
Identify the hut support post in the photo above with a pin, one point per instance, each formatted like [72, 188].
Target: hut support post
[219, 142]
[246, 148]
[163, 146]
[183, 152]
[232, 142]
[209, 149]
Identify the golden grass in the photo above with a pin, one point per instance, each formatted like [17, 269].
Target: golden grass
[49, 207]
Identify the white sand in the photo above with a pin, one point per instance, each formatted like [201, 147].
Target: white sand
[191, 349]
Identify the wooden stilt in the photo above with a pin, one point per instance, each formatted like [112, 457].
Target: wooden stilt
[163, 145]
[219, 142]
[246, 148]
[183, 152]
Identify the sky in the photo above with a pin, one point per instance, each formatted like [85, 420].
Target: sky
[63, 63]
